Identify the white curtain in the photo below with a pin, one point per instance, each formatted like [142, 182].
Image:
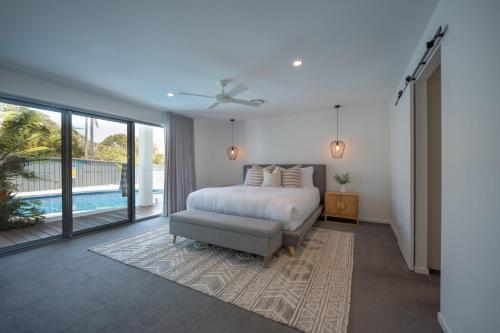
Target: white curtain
[179, 163]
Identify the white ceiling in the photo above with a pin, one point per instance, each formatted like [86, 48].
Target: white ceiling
[354, 51]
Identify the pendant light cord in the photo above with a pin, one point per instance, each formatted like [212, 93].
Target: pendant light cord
[337, 125]
[232, 133]
[337, 108]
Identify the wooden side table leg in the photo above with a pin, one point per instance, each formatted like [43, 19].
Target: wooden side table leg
[291, 250]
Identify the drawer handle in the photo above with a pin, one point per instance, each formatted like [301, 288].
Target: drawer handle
[341, 205]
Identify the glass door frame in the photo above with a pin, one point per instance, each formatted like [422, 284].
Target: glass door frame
[68, 203]
[66, 160]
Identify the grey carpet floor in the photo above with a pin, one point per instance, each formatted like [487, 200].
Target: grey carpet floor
[62, 287]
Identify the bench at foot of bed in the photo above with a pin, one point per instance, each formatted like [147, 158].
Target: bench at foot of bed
[257, 236]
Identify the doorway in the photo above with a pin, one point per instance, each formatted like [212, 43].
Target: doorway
[427, 159]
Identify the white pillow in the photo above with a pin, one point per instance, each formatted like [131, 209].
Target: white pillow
[272, 178]
[257, 174]
[248, 177]
[306, 176]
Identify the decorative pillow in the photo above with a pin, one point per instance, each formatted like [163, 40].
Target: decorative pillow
[273, 178]
[306, 176]
[257, 174]
[290, 177]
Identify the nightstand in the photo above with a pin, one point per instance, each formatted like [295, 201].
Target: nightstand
[341, 204]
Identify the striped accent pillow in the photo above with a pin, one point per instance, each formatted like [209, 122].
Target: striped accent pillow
[291, 177]
[257, 174]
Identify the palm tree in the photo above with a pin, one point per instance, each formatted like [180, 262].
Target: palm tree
[21, 133]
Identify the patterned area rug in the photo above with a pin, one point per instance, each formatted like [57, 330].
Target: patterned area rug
[310, 292]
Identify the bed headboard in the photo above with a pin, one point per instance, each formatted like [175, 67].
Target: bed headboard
[319, 175]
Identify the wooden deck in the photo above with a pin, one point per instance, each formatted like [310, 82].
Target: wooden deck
[54, 228]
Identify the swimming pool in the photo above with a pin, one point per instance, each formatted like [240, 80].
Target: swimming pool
[88, 201]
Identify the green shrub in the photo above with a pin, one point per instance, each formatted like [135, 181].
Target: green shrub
[21, 135]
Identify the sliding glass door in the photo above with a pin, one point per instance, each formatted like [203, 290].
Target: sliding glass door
[30, 175]
[99, 172]
[64, 172]
[149, 170]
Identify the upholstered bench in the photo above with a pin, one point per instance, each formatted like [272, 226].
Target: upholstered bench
[261, 237]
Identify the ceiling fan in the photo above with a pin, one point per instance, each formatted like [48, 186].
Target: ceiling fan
[228, 97]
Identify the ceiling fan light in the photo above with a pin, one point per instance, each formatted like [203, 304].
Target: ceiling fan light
[337, 149]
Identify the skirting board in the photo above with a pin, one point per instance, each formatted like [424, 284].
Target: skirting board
[442, 322]
[421, 270]
[375, 220]
[395, 231]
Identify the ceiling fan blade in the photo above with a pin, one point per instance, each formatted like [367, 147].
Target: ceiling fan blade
[212, 106]
[241, 101]
[197, 95]
[236, 90]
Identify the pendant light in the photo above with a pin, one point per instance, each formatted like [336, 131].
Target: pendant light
[232, 151]
[337, 147]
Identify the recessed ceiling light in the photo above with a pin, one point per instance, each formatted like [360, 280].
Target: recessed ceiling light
[170, 94]
[297, 63]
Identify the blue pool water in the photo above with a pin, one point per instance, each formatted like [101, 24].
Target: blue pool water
[88, 201]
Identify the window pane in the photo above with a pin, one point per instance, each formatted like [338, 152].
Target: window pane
[99, 172]
[30, 174]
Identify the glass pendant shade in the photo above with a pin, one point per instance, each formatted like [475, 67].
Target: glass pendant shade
[337, 148]
[232, 152]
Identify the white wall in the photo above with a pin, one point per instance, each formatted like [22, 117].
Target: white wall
[470, 75]
[213, 168]
[401, 146]
[305, 138]
[25, 86]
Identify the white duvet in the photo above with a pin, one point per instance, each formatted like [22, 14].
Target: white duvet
[290, 206]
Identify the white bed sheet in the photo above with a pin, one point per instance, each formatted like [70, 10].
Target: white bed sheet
[290, 206]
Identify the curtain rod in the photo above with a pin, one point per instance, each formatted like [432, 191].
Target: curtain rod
[430, 47]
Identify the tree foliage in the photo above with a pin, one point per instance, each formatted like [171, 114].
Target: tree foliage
[24, 136]
[158, 159]
[112, 148]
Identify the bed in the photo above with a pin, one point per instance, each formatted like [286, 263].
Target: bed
[297, 209]
[290, 206]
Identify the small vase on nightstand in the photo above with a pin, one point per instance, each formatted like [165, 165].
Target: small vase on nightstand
[343, 188]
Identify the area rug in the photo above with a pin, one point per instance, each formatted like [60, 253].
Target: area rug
[310, 292]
